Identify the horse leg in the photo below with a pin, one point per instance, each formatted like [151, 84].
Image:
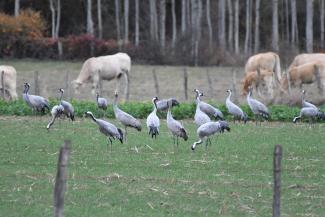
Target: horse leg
[127, 85]
[96, 80]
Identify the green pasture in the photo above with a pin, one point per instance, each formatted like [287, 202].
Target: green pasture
[148, 177]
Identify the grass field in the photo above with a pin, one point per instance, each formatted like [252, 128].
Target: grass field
[155, 178]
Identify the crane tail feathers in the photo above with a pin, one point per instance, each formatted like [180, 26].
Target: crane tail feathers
[121, 135]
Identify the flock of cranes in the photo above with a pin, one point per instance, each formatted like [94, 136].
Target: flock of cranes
[204, 114]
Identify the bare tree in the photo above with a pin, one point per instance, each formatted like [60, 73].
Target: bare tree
[231, 25]
[162, 8]
[153, 20]
[53, 18]
[174, 37]
[183, 24]
[287, 20]
[136, 22]
[209, 23]
[117, 21]
[294, 24]
[275, 24]
[222, 24]
[248, 27]
[99, 15]
[257, 26]
[309, 26]
[58, 18]
[55, 7]
[322, 30]
[90, 23]
[17, 7]
[236, 33]
[126, 21]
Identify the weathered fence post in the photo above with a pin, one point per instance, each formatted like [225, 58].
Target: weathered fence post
[185, 83]
[61, 179]
[209, 83]
[36, 82]
[155, 82]
[67, 86]
[277, 180]
[234, 90]
[3, 85]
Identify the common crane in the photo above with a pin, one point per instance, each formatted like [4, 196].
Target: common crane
[101, 102]
[208, 129]
[153, 122]
[106, 128]
[36, 103]
[68, 108]
[234, 109]
[258, 108]
[175, 126]
[310, 113]
[162, 104]
[56, 112]
[209, 109]
[126, 119]
[200, 117]
[304, 103]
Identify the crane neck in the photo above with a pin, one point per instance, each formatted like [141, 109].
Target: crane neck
[97, 96]
[61, 96]
[92, 117]
[229, 96]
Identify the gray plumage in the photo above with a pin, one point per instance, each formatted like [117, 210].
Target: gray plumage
[153, 122]
[56, 112]
[175, 126]
[208, 129]
[304, 103]
[36, 103]
[162, 104]
[68, 108]
[310, 113]
[101, 102]
[209, 109]
[200, 117]
[258, 108]
[107, 128]
[126, 119]
[235, 110]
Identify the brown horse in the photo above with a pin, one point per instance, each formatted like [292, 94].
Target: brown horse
[262, 80]
[305, 74]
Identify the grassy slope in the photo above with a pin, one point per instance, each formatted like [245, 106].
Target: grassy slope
[233, 178]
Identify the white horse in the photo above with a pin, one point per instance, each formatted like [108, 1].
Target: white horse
[8, 77]
[96, 69]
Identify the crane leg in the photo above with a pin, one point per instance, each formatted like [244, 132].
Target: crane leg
[109, 139]
[126, 132]
[177, 140]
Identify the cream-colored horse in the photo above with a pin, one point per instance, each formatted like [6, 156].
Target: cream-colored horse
[269, 61]
[110, 67]
[9, 75]
[302, 59]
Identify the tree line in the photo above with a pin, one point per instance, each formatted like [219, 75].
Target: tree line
[193, 32]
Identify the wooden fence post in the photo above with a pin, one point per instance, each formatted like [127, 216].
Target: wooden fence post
[61, 179]
[209, 83]
[67, 86]
[234, 89]
[277, 180]
[36, 83]
[155, 82]
[3, 85]
[185, 83]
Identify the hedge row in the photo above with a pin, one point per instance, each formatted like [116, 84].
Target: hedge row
[142, 109]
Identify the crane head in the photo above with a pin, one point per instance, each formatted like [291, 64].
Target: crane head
[61, 90]
[116, 93]
[228, 91]
[88, 113]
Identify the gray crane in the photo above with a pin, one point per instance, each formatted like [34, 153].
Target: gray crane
[36, 103]
[68, 108]
[209, 109]
[175, 126]
[106, 128]
[304, 103]
[208, 129]
[311, 113]
[126, 119]
[153, 122]
[56, 112]
[235, 110]
[101, 102]
[258, 108]
[200, 117]
[162, 104]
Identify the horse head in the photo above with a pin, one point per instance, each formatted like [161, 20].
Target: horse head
[76, 85]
